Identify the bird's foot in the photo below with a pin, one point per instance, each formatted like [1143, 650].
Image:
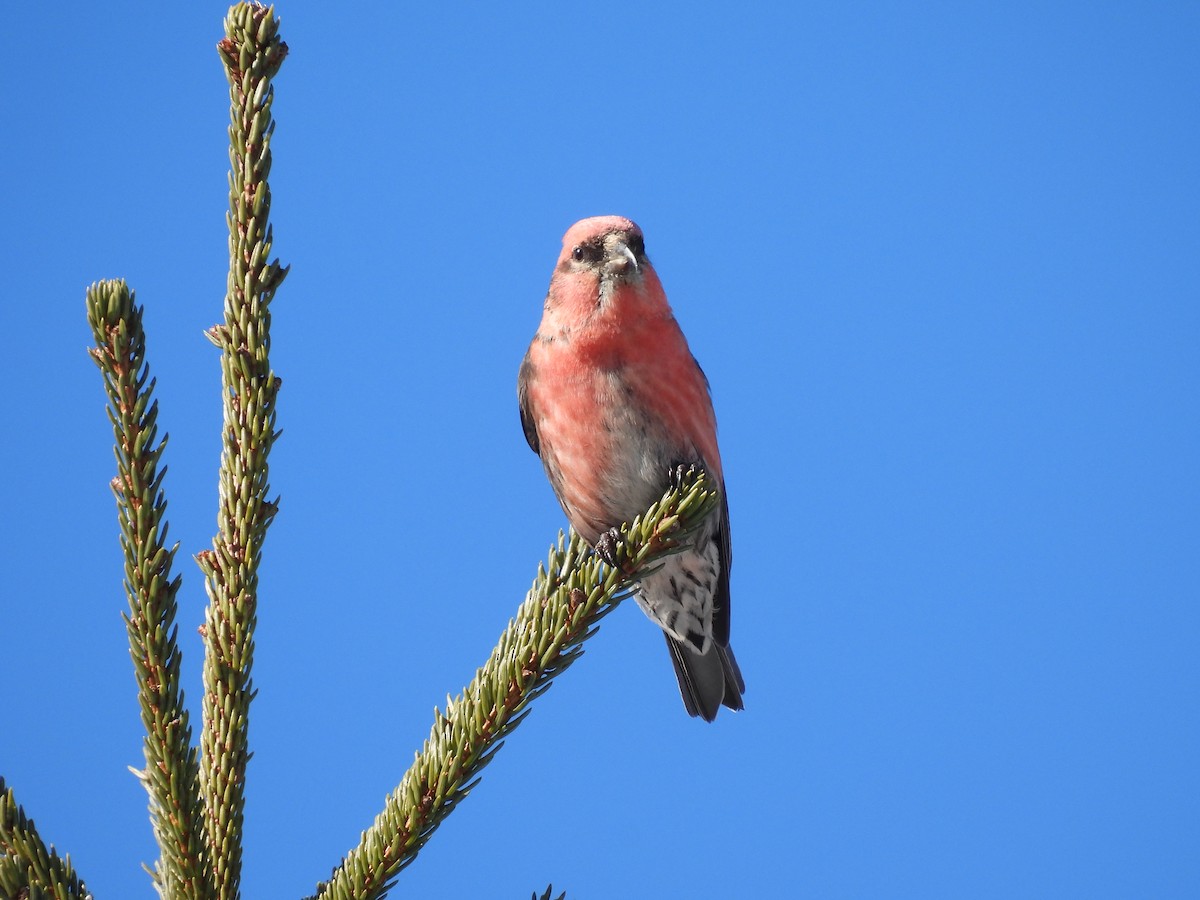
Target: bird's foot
[677, 475]
[606, 547]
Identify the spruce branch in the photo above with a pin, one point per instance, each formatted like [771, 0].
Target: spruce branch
[573, 591]
[171, 775]
[28, 868]
[252, 53]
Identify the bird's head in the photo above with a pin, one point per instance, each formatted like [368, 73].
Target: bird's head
[603, 279]
[609, 249]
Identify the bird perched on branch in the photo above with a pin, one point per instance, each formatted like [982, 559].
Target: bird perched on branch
[614, 403]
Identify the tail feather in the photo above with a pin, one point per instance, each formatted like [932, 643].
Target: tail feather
[706, 680]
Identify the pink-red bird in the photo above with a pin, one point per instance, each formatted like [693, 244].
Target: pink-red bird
[613, 402]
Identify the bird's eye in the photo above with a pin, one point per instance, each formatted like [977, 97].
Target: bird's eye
[590, 252]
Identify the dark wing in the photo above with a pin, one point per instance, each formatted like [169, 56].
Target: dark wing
[721, 596]
[527, 420]
[725, 555]
[700, 369]
[706, 682]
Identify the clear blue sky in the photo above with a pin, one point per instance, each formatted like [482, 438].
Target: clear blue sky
[941, 263]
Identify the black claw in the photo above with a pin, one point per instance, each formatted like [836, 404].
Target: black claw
[677, 474]
[606, 546]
